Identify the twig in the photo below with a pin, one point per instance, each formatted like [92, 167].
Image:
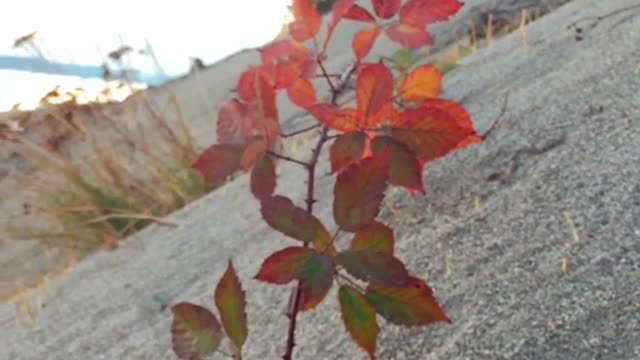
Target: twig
[301, 131]
[287, 158]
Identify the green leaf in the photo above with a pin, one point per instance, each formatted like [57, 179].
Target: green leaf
[410, 304]
[263, 177]
[371, 265]
[446, 66]
[195, 331]
[359, 318]
[374, 236]
[313, 269]
[403, 58]
[346, 150]
[359, 190]
[231, 303]
[282, 215]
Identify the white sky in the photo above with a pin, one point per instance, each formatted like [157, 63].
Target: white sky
[81, 30]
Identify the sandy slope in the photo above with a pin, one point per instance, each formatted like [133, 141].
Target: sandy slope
[490, 235]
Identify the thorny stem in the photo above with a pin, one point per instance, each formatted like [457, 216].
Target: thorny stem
[287, 158]
[292, 313]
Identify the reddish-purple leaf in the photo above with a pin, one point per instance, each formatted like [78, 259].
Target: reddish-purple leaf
[410, 304]
[359, 319]
[363, 41]
[385, 9]
[313, 269]
[358, 13]
[434, 129]
[374, 93]
[218, 162]
[231, 303]
[424, 12]
[359, 190]
[374, 236]
[282, 215]
[408, 35]
[373, 265]
[263, 177]
[195, 331]
[346, 150]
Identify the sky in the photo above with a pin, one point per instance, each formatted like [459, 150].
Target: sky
[84, 31]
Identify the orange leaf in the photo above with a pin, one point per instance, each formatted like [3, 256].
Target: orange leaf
[358, 192]
[218, 162]
[266, 118]
[195, 331]
[283, 50]
[282, 215]
[308, 20]
[385, 9]
[374, 93]
[231, 303]
[424, 12]
[408, 35]
[335, 118]
[409, 304]
[373, 236]
[433, 129]
[363, 41]
[302, 93]
[346, 149]
[313, 269]
[423, 82]
[358, 13]
[359, 318]
[263, 178]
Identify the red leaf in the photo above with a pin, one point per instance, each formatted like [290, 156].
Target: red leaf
[359, 318]
[233, 123]
[373, 236]
[404, 168]
[218, 162]
[433, 129]
[302, 93]
[408, 35]
[282, 215]
[231, 303]
[373, 266]
[263, 177]
[424, 12]
[346, 149]
[335, 118]
[374, 93]
[359, 191]
[195, 331]
[385, 9]
[308, 20]
[423, 82]
[340, 9]
[363, 41]
[266, 119]
[312, 269]
[246, 84]
[358, 13]
[410, 304]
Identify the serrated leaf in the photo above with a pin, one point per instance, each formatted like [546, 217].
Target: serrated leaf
[385, 9]
[408, 35]
[374, 93]
[374, 236]
[263, 177]
[411, 304]
[302, 93]
[308, 20]
[359, 319]
[335, 118]
[374, 266]
[231, 303]
[195, 331]
[282, 215]
[217, 162]
[358, 192]
[360, 14]
[434, 129]
[346, 149]
[313, 269]
[363, 41]
[423, 82]
[421, 13]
